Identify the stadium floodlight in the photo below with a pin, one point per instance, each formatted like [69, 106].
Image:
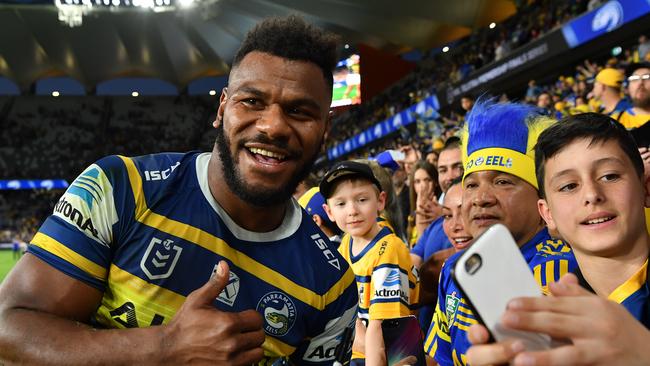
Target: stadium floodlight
[212, 92]
[135, 94]
[55, 93]
[445, 49]
[69, 14]
[492, 25]
[185, 3]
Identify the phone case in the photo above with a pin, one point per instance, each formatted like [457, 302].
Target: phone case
[403, 338]
[503, 274]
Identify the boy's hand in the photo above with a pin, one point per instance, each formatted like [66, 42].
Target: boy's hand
[602, 332]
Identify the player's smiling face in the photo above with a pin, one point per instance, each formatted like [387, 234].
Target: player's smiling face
[354, 206]
[594, 198]
[271, 122]
[491, 197]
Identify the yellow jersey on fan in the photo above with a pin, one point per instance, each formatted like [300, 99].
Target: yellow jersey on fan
[387, 282]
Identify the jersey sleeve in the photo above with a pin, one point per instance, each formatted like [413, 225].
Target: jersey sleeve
[437, 343]
[77, 237]
[552, 260]
[393, 282]
[341, 314]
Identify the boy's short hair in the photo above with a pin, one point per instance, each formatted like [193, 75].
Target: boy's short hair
[597, 127]
[348, 170]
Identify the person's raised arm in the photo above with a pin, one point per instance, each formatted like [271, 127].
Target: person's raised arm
[44, 315]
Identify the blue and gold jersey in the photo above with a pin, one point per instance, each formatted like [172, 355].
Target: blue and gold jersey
[633, 294]
[147, 232]
[446, 340]
[387, 282]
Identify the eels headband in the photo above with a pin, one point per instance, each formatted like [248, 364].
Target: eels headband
[502, 137]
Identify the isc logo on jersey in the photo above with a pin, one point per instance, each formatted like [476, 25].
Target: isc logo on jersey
[391, 283]
[88, 205]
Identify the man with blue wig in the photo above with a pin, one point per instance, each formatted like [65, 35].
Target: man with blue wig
[499, 186]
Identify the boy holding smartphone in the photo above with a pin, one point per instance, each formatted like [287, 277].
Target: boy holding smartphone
[499, 186]
[386, 280]
[593, 192]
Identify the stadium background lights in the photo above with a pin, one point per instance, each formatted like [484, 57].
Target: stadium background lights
[55, 93]
[492, 25]
[445, 49]
[135, 94]
[71, 12]
[212, 92]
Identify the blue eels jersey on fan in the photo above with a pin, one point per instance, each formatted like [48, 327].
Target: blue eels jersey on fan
[548, 258]
[147, 231]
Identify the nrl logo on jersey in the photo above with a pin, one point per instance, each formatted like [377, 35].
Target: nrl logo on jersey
[160, 258]
[229, 294]
[279, 313]
[451, 305]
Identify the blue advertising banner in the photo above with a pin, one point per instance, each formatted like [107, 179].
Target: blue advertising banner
[427, 108]
[33, 184]
[604, 19]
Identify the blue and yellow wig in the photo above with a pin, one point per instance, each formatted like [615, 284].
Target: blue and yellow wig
[502, 137]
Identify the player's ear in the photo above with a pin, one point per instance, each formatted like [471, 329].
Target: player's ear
[222, 104]
[545, 213]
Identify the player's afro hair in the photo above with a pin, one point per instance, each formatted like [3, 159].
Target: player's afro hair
[294, 39]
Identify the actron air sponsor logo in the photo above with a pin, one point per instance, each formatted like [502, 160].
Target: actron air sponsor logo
[75, 216]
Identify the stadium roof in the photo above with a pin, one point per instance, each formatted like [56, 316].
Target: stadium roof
[183, 45]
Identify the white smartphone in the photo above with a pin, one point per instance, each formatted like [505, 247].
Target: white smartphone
[491, 273]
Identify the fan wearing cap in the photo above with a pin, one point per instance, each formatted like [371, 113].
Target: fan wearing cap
[499, 186]
[386, 280]
[638, 86]
[607, 91]
[312, 201]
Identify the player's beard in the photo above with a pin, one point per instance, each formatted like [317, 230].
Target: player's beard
[247, 192]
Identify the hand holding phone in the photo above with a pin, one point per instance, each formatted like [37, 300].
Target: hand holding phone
[491, 273]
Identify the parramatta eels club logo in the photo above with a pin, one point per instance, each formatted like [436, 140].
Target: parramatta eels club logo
[279, 313]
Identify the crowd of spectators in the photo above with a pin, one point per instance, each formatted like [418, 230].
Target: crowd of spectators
[533, 19]
[46, 137]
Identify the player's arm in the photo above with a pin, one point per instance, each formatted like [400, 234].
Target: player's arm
[43, 311]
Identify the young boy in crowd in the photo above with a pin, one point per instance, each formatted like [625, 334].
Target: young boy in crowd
[593, 192]
[499, 186]
[386, 280]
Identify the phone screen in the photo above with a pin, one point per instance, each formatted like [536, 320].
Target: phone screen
[403, 338]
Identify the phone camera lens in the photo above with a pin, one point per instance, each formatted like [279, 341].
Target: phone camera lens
[473, 263]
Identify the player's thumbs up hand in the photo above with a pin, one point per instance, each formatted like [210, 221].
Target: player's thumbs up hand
[205, 295]
[201, 334]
